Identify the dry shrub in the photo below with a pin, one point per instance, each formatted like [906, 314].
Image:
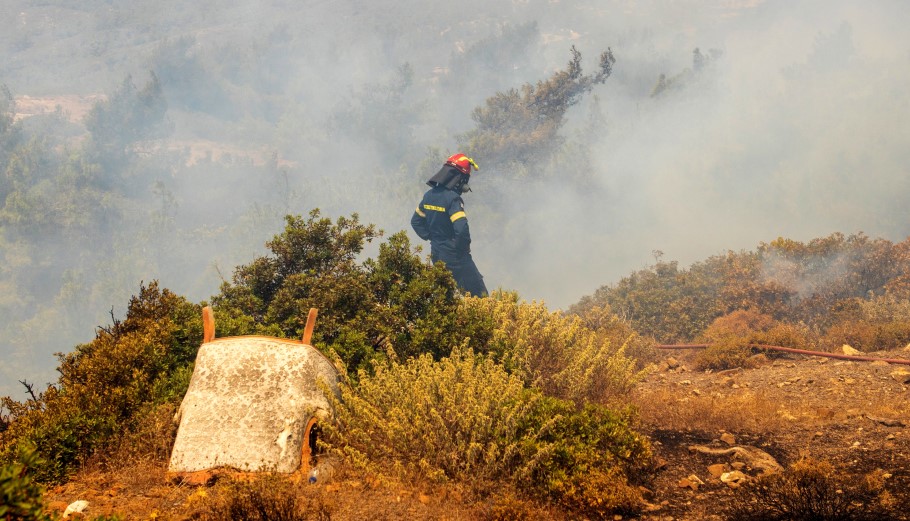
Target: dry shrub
[879, 324]
[786, 335]
[734, 413]
[618, 331]
[505, 505]
[559, 354]
[730, 338]
[867, 336]
[267, 498]
[813, 490]
[727, 353]
[150, 441]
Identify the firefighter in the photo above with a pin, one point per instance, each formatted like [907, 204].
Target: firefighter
[440, 219]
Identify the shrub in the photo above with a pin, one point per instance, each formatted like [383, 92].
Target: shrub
[105, 384]
[729, 338]
[878, 324]
[464, 418]
[726, 353]
[20, 496]
[395, 303]
[559, 354]
[268, 498]
[811, 490]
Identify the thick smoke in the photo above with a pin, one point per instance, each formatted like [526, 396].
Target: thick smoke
[789, 121]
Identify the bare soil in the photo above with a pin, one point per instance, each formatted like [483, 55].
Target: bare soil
[853, 415]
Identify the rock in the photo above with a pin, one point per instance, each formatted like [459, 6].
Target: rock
[734, 478]
[753, 457]
[687, 483]
[76, 507]
[717, 469]
[672, 363]
[757, 360]
[888, 422]
[902, 376]
[847, 350]
[728, 438]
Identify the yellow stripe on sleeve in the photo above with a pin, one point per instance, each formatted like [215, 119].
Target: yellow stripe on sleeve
[457, 215]
[420, 213]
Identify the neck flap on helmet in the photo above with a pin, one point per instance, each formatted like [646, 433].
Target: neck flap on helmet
[449, 177]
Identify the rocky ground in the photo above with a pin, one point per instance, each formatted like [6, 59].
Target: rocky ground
[712, 432]
[853, 415]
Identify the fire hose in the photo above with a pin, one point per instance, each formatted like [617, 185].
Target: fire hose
[857, 358]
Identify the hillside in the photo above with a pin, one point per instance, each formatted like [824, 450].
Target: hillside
[729, 173]
[853, 415]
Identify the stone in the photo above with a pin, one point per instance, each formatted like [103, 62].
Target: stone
[888, 422]
[717, 469]
[728, 438]
[76, 507]
[687, 483]
[902, 376]
[848, 350]
[672, 363]
[734, 478]
[752, 456]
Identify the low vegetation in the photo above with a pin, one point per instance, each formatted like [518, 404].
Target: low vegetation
[813, 490]
[820, 294]
[440, 387]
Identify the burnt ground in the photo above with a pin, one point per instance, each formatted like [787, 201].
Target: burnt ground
[854, 416]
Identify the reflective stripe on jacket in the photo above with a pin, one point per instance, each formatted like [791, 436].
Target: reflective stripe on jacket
[440, 219]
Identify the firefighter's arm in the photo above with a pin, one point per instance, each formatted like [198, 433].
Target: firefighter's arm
[419, 223]
[460, 225]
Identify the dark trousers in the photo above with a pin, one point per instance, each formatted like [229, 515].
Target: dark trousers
[465, 272]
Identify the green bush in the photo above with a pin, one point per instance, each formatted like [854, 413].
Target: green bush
[21, 498]
[105, 385]
[394, 304]
[466, 419]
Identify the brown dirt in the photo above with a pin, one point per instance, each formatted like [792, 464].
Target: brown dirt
[73, 106]
[854, 415]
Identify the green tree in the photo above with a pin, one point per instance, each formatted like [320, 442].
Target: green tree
[128, 115]
[394, 304]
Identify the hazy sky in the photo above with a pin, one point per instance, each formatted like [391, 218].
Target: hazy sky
[798, 128]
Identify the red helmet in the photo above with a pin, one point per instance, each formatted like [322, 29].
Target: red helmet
[462, 163]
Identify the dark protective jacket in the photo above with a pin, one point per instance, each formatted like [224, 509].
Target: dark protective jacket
[440, 219]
